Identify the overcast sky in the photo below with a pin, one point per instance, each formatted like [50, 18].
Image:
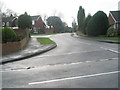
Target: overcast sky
[66, 9]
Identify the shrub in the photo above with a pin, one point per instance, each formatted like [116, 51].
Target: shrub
[8, 35]
[111, 32]
[85, 23]
[24, 21]
[98, 24]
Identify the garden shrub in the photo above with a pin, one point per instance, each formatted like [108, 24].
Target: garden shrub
[24, 21]
[8, 35]
[98, 24]
[111, 32]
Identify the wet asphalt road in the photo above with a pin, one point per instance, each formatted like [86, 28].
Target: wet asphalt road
[75, 63]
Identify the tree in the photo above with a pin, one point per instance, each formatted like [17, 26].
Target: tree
[74, 25]
[10, 12]
[56, 23]
[98, 24]
[24, 21]
[2, 6]
[85, 23]
[80, 18]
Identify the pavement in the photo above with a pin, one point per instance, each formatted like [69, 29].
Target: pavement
[33, 48]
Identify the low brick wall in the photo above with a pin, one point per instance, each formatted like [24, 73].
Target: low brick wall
[13, 46]
[22, 32]
[10, 47]
[47, 31]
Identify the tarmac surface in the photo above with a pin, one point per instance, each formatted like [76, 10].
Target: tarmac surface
[34, 48]
[74, 63]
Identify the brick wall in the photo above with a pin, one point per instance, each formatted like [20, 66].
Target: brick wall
[10, 47]
[21, 32]
[47, 30]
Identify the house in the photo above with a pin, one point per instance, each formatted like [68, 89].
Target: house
[114, 19]
[38, 24]
[9, 21]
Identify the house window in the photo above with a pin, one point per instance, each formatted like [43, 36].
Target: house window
[7, 24]
[3, 24]
[33, 22]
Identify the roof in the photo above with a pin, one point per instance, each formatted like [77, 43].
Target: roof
[116, 15]
[35, 17]
[7, 19]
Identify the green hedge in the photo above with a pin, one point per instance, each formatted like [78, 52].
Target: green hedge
[8, 35]
[98, 24]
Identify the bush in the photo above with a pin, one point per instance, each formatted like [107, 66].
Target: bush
[111, 32]
[85, 23]
[24, 21]
[8, 35]
[98, 24]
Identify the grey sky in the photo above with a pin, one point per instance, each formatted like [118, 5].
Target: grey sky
[66, 9]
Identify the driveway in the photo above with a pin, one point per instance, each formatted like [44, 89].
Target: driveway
[75, 63]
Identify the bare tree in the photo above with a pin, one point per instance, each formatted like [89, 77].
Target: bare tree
[61, 15]
[2, 6]
[54, 12]
[10, 12]
[5, 11]
[119, 5]
[0, 19]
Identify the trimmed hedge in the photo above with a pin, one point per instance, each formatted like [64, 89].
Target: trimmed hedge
[8, 35]
[98, 24]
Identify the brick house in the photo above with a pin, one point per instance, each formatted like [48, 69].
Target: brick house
[114, 19]
[38, 24]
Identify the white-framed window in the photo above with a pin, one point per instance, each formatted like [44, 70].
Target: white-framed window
[7, 24]
[3, 23]
[33, 22]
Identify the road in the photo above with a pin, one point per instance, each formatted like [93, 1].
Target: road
[75, 63]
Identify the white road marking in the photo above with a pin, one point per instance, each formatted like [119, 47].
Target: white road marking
[70, 78]
[110, 50]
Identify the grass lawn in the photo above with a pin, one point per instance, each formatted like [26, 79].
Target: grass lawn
[108, 38]
[44, 40]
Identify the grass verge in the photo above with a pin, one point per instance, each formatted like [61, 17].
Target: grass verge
[43, 34]
[108, 38]
[44, 40]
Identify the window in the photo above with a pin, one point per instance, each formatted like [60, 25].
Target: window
[7, 24]
[3, 24]
[33, 22]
